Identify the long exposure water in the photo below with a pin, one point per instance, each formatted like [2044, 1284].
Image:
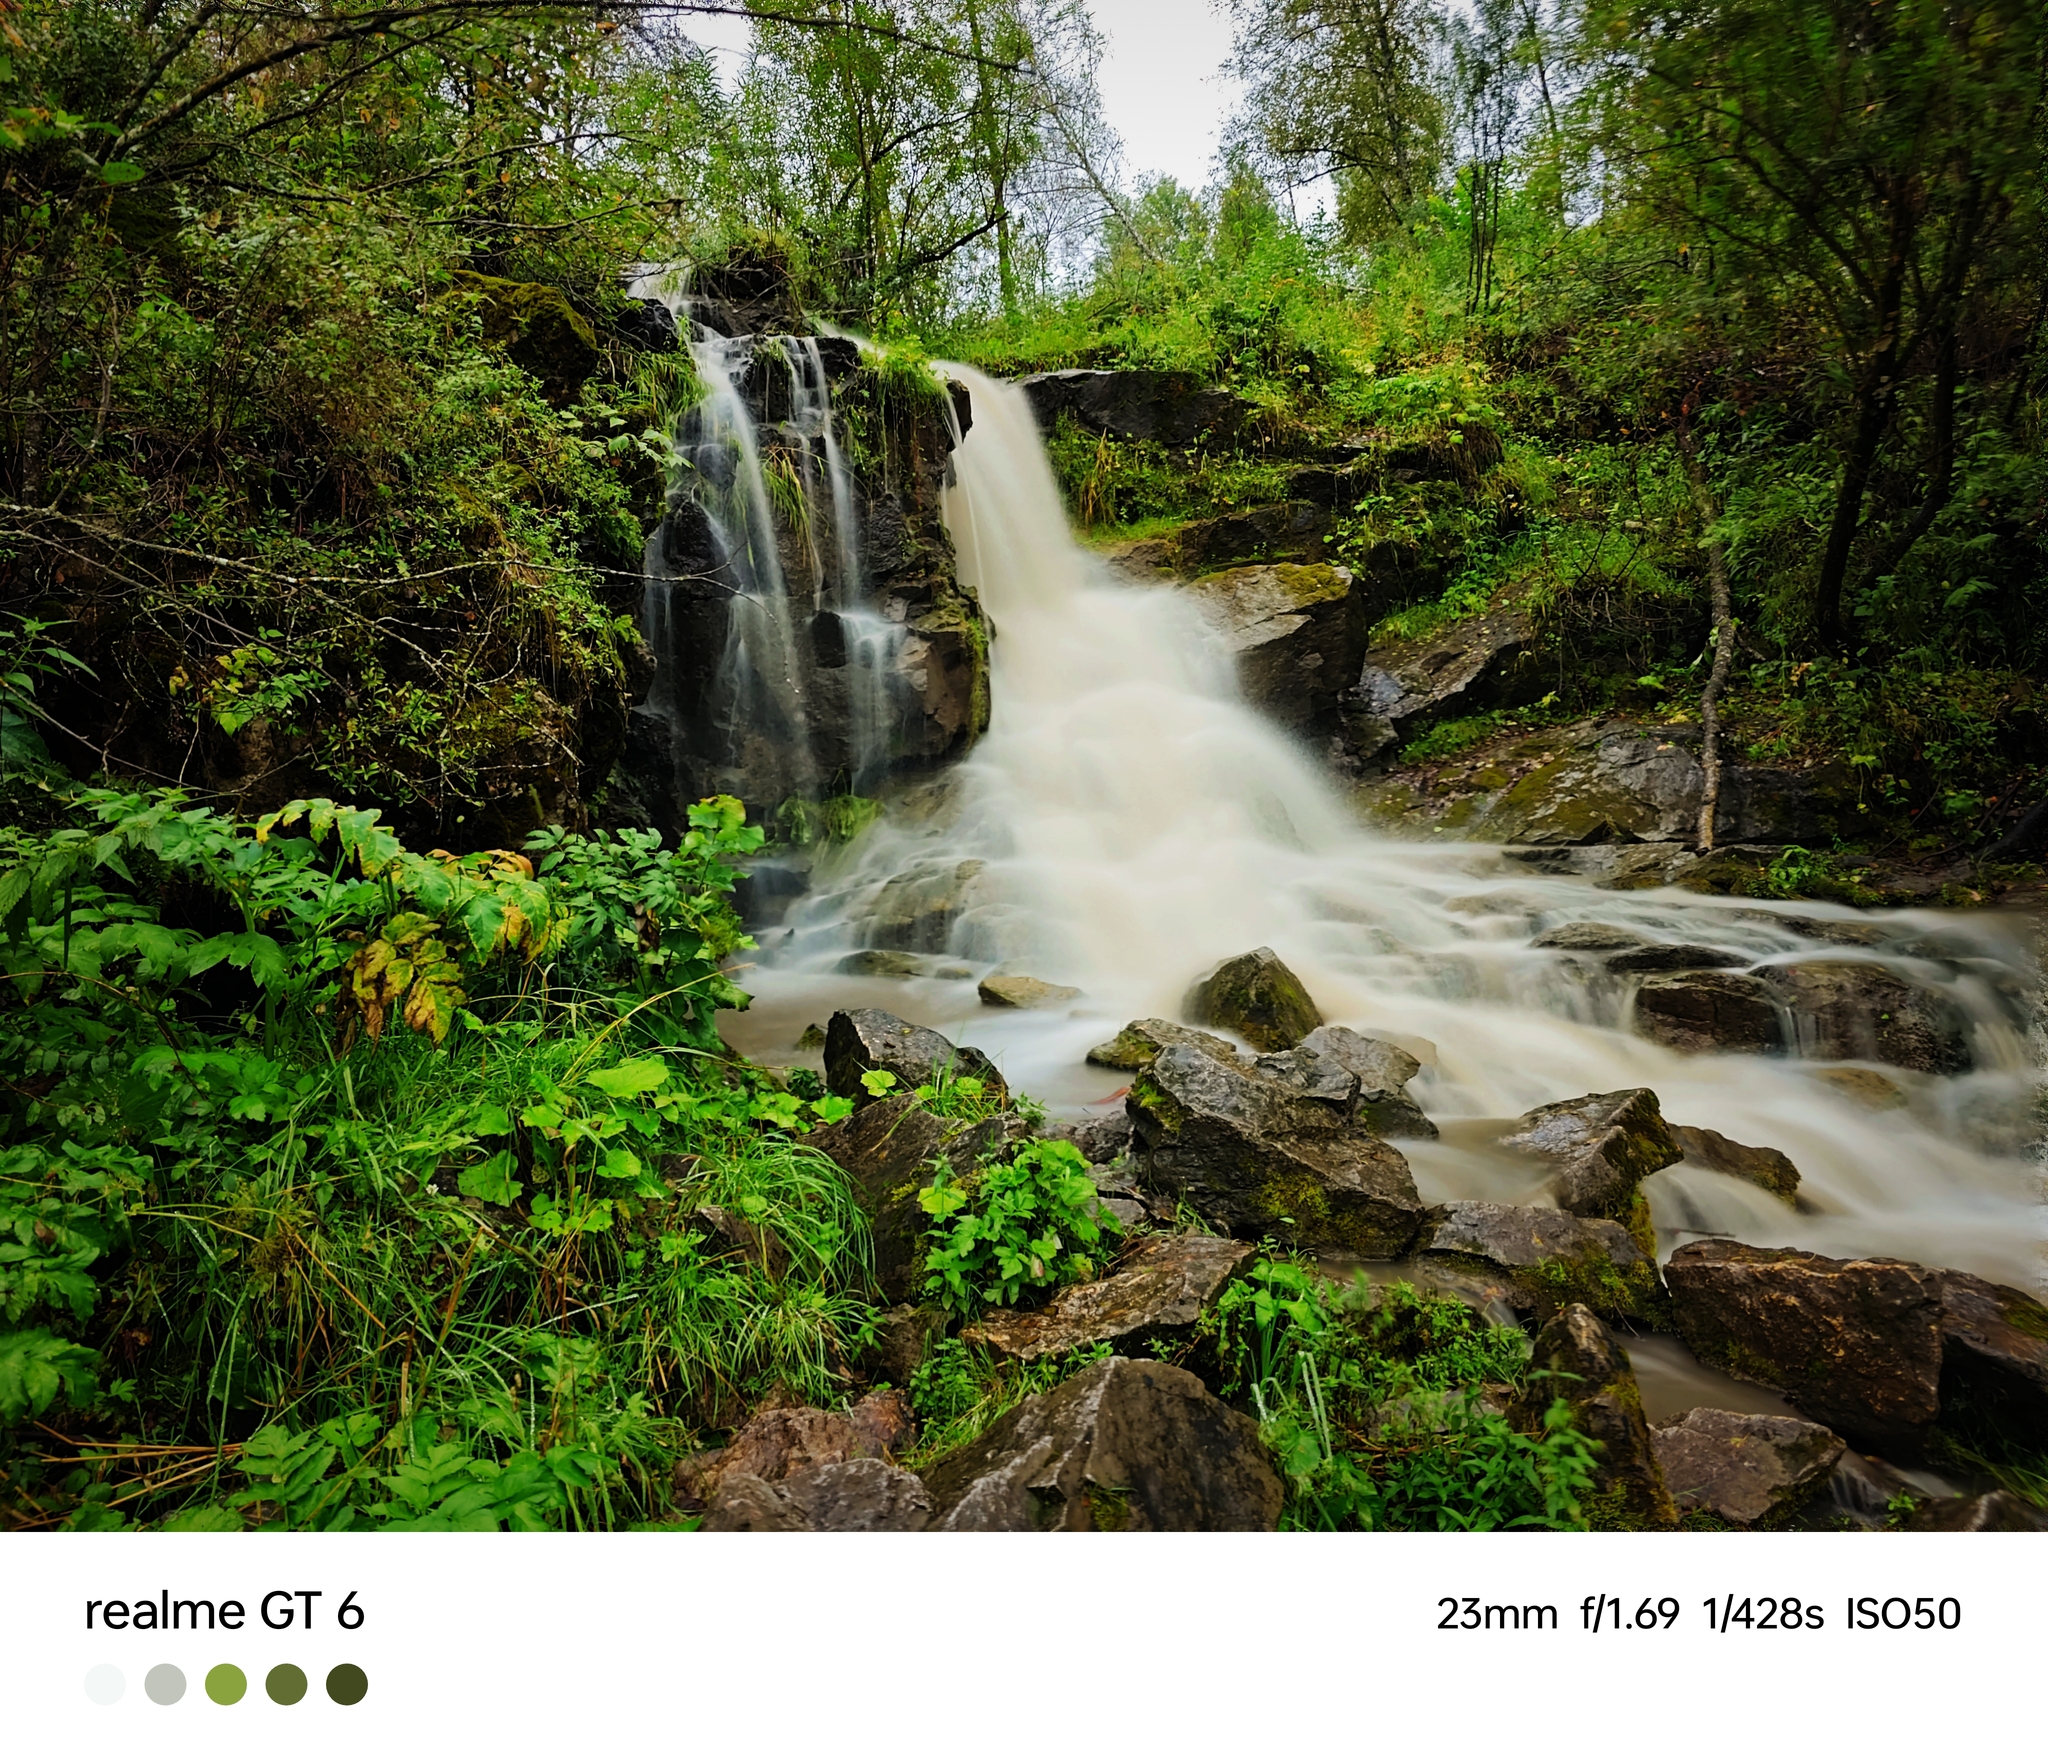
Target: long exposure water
[1128, 822]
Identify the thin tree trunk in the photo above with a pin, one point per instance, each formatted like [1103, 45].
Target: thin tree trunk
[1724, 632]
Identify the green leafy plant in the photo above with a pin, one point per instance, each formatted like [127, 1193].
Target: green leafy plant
[1013, 1229]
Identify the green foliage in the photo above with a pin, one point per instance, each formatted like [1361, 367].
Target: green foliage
[1013, 1229]
[1370, 1400]
[959, 1390]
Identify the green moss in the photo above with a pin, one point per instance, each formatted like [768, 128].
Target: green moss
[1298, 1207]
[540, 331]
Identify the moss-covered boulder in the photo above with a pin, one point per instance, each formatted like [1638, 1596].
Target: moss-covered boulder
[539, 329]
[1138, 1043]
[1543, 1259]
[1603, 1147]
[1259, 1154]
[1748, 1471]
[860, 1041]
[1258, 996]
[1758, 1164]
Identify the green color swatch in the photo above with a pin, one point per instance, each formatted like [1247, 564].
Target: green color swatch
[226, 1683]
[286, 1683]
[348, 1683]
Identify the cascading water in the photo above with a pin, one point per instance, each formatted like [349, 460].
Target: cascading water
[802, 694]
[1127, 822]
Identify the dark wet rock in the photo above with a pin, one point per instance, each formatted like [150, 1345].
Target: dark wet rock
[1546, 1258]
[1750, 1471]
[1257, 996]
[1576, 1359]
[1017, 991]
[1138, 1043]
[1169, 407]
[751, 1241]
[1603, 1145]
[1295, 637]
[812, 1039]
[881, 964]
[1708, 1011]
[917, 908]
[1259, 1155]
[1773, 1170]
[1590, 936]
[1159, 1290]
[1384, 1071]
[783, 1438]
[859, 1041]
[903, 1342]
[1858, 1010]
[1126, 1445]
[1809, 806]
[846, 1496]
[1854, 1343]
[1471, 666]
[888, 1149]
[538, 328]
[1674, 958]
[1293, 529]
[646, 325]
[1994, 1370]
[1997, 1511]
[1863, 1489]
[1100, 1140]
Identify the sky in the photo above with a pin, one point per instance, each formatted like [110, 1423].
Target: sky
[1162, 80]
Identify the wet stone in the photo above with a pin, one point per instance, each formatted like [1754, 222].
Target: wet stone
[1016, 991]
[1546, 1257]
[859, 1041]
[1257, 996]
[1708, 1011]
[1160, 1289]
[1604, 1146]
[1576, 1359]
[1138, 1043]
[1770, 1169]
[1747, 1470]
[1384, 1071]
[1674, 958]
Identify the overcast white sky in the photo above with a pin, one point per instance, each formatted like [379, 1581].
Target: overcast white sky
[1161, 80]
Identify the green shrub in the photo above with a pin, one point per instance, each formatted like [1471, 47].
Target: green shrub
[1013, 1229]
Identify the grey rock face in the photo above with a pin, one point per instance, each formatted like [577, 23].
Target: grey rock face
[1016, 991]
[1471, 666]
[1384, 1071]
[1747, 1470]
[1295, 637]
[1709, 1012]
[849, 1496]
[1859, 1010]
[1261, 1155]
[1171, 407]
[1541, 1257]
[1603, 1145]
[1125, 1445]
[1159, 1290]
[1576, 1359]
[859, 1041]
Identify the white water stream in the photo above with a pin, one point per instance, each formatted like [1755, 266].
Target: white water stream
[1134, 823]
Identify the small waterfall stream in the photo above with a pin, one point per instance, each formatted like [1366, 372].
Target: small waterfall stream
[1127, 822]
[748, 495]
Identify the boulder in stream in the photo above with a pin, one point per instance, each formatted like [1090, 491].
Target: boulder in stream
[1138, 1043]
[1576, 1359]
[859, 1041]
[1749, 1471]
[1854, 1343]
[1859, 1010]
[1758, 1164]
[1258, 996]
[1674, 958]
[1017, 991]
[1589, 936]
[1160, 1289]
[1261, 1154]
[1384, 1071]
[1548, 1258]
[1296, 641]
[1994, 1371]
[1708, 1011]
[1603, 1145]
[1126, 1445]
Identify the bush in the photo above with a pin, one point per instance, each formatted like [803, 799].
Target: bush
[1013, 1229]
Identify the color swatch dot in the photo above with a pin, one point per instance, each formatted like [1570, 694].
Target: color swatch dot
[226, 1683]
[348, 1683]
[286, 1684]
[165, 1684]
[104, 1685]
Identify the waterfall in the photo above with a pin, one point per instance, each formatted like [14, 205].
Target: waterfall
[803, 690]
[1127, 822]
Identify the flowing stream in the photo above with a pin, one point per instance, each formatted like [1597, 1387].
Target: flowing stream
[1128, 822]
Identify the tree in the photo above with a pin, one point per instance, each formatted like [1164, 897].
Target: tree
[1868, 167]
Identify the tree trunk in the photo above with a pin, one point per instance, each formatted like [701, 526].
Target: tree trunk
[1724, 632]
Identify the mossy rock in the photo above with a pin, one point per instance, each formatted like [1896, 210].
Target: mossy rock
[540, 331]
[1259, 997]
